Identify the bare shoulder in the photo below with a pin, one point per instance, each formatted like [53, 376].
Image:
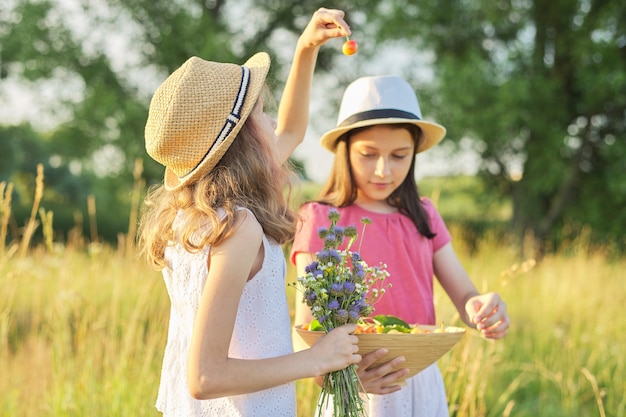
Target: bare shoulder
[243, 240]
[247, 228]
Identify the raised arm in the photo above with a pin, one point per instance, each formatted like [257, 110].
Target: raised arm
[293, 110]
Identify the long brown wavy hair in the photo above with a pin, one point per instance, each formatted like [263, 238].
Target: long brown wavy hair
[248, 175]
[340, 189]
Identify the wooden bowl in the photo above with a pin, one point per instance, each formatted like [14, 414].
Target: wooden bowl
[420, 349]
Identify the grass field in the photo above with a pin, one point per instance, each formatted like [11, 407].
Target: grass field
[82, 333]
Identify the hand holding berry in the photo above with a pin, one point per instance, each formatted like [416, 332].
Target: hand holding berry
[324, 25]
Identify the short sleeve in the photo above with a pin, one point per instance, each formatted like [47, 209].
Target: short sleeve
[437, 225]
[306, 239]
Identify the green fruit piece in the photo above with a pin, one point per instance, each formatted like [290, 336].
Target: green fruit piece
[387, 320]
[315, 326]
[394, 328]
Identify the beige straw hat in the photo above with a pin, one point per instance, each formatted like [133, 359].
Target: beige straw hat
[377, 100]
[197, 112]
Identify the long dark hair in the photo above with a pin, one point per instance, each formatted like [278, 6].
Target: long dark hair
[340, 189]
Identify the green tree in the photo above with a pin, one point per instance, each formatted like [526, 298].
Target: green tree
[540, 86]
[104, 102]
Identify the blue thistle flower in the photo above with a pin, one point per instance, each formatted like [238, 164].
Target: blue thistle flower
[311, 267]
[365, 310]
[348, 287]
[354, 314]
[342, 316]
[336, 289]
[323, 255]
[333, 215]
[330, 241]
[350, 231]
[334, 256]
[310, 295]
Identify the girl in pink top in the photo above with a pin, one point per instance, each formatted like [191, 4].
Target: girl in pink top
[379, 131]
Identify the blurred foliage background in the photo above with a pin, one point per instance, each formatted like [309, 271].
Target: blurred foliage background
[537, 88]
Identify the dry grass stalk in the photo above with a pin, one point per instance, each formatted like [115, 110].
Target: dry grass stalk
[32, 224]
[48, 230]
[598, 394]
[93, 224]
[75, 238]
[138, 185]
[6, 191]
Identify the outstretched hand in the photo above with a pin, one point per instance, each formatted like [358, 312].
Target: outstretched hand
[324, 25]
[488, 313]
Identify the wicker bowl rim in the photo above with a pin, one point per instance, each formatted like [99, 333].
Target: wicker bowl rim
[419, 349]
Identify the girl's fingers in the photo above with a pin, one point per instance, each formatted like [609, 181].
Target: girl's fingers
[497, 330]
[487, 308]
[333, 19]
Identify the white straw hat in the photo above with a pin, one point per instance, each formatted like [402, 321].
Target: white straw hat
[197, 112]
[379, 100]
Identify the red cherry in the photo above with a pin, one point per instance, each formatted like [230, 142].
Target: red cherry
[350, 47]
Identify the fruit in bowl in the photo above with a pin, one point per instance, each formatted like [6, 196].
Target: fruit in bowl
[421, 345]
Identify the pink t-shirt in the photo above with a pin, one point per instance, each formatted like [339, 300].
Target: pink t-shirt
[392, 239]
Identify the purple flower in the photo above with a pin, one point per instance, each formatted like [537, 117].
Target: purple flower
[335, 256]
[330, 241]
[323, 255]
[336, 289]
[310, 295]
[311, 267]
[333, 215]
[333, 304]
[365, 310]
[342, 316]
[329, 255]
[350, 231]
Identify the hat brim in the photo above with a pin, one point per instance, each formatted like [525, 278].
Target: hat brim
[259, 65]
[432, 133]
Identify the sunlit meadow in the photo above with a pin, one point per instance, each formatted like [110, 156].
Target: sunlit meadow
[82, 333]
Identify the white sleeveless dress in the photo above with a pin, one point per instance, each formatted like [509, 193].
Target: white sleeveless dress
[262, 330]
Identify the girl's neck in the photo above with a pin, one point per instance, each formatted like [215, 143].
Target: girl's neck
[376, 206]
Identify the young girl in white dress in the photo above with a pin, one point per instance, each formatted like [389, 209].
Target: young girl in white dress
[215, 228]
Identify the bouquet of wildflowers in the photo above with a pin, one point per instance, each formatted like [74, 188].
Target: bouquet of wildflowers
[340, 288]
